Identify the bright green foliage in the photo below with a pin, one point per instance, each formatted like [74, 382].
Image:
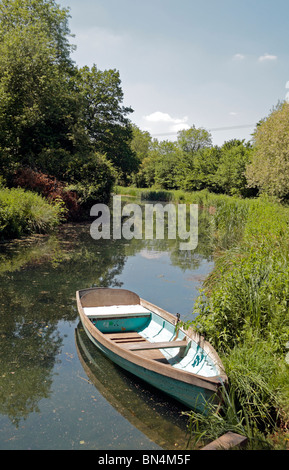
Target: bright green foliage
[44, 17]
[230, 174]
[218, 169]
[191, 164]
[38, 105]
[243, 310]
[249, 297]
[193, 167]
[248, 289]
[269, 169]
[23, 212]
[192, 140]
[197, 171]
[141, 143]
[159, 168]
[252, 404]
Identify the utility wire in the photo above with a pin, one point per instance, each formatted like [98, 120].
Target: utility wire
[212, 130]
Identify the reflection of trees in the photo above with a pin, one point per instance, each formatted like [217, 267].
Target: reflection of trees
[184, 259]
[29, 346]
[36, 293]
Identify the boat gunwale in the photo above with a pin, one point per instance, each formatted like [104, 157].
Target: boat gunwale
[211, 383]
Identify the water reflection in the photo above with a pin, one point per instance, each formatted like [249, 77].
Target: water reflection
[38, 284]
[38, 279]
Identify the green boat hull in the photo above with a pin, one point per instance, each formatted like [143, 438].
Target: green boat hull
[193, 397]
[143, 339]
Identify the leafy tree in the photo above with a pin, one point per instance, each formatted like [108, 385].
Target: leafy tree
[52, 114]
[159, 168]
[197, 171]
[192, 140]
[141, 143]
[230, 175]
[269, 167]
[191, 168]
[41, 16]
[106, 122]
[167, 163]
[38, 102]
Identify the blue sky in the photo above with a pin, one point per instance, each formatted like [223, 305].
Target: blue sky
[209, 63]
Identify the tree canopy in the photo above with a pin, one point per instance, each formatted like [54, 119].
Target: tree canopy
[269, 168]
[51, 112]
[105, 118]
[193, 139]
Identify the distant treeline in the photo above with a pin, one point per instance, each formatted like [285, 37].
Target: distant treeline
[240, 168]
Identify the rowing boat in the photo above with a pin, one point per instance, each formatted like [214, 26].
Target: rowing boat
[147, 341]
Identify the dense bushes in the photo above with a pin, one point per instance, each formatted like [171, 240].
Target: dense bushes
[23, 212]
[90, 181]
[92, 177]
[48, 187]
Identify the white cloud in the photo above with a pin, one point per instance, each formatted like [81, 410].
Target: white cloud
[158, 116]
[239, 57]
[267, 57]
[179, 127]
[233, 113]
[162, 122]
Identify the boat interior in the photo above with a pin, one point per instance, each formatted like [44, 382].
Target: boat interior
[147, 333]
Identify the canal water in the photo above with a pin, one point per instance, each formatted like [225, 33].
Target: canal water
[56, 390]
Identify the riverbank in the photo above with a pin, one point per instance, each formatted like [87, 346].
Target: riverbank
[243, 310]
[24, 212]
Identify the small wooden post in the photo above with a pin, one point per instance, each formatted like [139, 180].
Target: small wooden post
[226, 442]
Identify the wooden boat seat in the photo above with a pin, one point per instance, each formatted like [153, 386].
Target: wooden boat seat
[116, 311]
[130, 338]
[158, 345]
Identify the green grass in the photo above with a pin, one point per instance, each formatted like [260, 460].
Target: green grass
[243, 310]
[23, 212]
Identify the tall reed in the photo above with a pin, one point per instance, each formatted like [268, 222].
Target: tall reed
[23, 212]
[243, 310]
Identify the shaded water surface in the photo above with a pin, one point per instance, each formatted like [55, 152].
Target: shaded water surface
[56, 390]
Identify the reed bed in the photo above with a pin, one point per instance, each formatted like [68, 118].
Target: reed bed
[23, 212]
[243, 310]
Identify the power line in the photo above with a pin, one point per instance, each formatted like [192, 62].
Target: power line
[212, 130]
[232, 127]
